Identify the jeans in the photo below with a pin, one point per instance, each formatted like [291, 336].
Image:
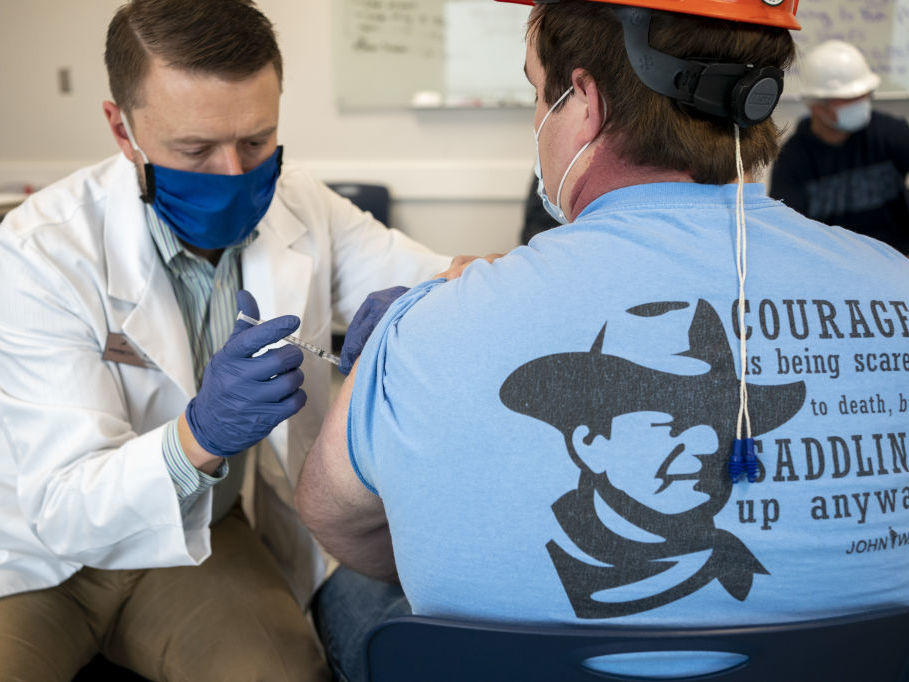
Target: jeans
[345, 610]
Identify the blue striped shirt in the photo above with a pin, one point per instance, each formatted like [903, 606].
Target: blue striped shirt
[206, 296]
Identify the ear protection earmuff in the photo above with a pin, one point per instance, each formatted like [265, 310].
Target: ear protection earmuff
[742, 93]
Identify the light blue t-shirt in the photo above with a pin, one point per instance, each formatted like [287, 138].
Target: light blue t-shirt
[550, 433]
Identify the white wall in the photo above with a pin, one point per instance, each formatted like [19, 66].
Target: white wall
[458, 176]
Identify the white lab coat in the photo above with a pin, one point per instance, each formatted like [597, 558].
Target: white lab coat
[82, 477]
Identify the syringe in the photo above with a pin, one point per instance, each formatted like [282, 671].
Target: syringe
[298, 342]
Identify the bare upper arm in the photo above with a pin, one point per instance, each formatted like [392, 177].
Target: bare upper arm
[330, 496]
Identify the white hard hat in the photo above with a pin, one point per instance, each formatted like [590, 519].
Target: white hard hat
[836, 70]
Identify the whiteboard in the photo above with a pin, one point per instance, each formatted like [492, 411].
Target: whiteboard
[484, 54]
[384, 51]
[879, 28]
[429, 53]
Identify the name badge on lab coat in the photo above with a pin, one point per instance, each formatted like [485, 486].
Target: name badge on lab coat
[119, 349]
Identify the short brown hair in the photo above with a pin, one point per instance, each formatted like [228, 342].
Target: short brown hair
[227, 38]
[651, 129]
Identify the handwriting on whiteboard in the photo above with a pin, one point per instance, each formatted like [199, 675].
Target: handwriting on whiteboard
[395, 27]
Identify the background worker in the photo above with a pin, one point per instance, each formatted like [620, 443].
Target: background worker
[128, 394]
[548, 437]
[846, 164]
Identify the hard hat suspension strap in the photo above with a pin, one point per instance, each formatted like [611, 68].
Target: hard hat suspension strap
[741, 93]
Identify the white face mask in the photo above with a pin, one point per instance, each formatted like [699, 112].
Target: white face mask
[853, 117]
[556, 210]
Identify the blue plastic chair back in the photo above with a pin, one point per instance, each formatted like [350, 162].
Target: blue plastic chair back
[373, 198]
[863, 648]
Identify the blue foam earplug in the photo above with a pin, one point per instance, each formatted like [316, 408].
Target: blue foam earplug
[751, 462]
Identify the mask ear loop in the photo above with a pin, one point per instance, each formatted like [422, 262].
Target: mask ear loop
[576, 157]
[536, 133]
[538, 170]
[131, 138]
[743, 459]
[149, 195]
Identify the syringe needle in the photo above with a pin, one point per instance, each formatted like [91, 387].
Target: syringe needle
[298, 342]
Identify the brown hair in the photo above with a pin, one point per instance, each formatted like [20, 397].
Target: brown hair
[651, 129]
[228, 38]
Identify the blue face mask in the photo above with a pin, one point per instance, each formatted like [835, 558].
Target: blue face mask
[555, 210]
[208, 210]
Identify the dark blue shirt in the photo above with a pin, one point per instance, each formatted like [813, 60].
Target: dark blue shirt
[859, 185]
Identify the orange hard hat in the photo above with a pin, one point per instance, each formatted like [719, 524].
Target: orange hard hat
[779, 13]
[746, 94]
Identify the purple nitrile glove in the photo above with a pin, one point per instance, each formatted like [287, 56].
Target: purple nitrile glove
[242, 398]
[366, 319]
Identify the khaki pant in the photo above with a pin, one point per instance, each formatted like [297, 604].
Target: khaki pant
[231, 619]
